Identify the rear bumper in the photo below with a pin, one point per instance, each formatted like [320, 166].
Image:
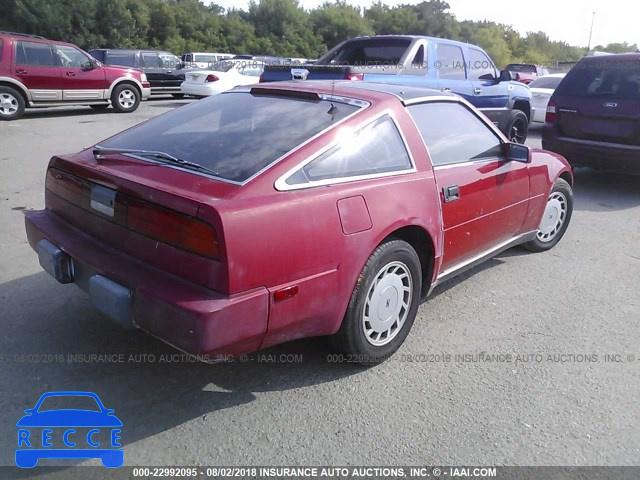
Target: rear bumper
[198, 89]
[193, 319]
[589, 153]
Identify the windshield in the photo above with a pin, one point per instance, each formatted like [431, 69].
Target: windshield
[610, 79]
[546, 82]
[236, 134]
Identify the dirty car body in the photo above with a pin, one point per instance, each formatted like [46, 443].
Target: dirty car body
[291, 210]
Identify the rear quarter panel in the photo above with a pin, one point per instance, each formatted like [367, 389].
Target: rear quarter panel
[279, 239]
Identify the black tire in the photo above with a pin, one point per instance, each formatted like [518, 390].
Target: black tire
[547, 238]
[177, 95]
[125, 98]
[353, 338]
[516, 127]
[12, 104]
[99, 107]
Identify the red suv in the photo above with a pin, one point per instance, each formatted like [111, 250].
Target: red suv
[36, 72]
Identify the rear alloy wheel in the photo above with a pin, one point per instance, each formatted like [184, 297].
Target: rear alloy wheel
[555, 218]
[517, 126]
[383, 305]
[11, 104]
[125, 98]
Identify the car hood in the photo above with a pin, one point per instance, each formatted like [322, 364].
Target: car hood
[69, 418]
[124, 71]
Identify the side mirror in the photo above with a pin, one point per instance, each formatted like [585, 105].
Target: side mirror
[517, 153]
[90, 65]
[506, 76]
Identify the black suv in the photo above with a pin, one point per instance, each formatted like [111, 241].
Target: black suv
[593, 117]
[163, 69]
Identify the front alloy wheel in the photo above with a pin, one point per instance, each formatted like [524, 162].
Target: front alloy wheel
[12, 104]
[555, 219]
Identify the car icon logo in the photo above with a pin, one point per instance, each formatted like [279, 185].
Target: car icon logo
[610, 105]
[91, 431]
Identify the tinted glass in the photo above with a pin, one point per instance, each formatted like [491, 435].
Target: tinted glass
[168, 60]
[72, 57]
[479, 64]
[603, 79]
[450, 62]
[0, 50]
[517, 67]
[546, 82]
[377, 148]
[151, 60]
[453, 133]
[237, 134]
[386, 51]
[35, 54]
[123, 59]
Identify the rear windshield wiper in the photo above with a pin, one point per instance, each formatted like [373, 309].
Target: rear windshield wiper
[162, 157]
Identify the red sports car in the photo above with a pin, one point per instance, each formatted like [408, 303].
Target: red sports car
[294, 209]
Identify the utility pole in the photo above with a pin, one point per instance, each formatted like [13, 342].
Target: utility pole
[591, 32]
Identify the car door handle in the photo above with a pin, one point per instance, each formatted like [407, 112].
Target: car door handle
[446, 89]
[21, 71]
[71, 74]
[451, 193]
[477, 91]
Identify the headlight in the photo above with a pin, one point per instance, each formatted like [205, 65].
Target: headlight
[143, 77]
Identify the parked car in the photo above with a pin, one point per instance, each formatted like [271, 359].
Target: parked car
[203, 60]
[293, 209]
[541, 90]
[526, 72]
[163, 69]
[221, 77]
[36, 72]
[593, 117]
[429, 62]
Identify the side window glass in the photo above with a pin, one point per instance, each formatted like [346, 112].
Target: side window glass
[376, 148]
[121, 59]
[70, 57]
[450, 62]
[479, 64]
[0, 50]
[151, 60]
[35, 54]
[454, 134]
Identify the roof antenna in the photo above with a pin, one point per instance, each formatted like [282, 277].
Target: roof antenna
[333, 108]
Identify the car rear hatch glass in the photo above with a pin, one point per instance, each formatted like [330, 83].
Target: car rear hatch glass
[236, 134]
[600, 100]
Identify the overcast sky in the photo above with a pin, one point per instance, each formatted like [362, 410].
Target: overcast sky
[563, 20]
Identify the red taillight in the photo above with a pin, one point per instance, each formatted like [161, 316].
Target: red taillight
[173, 228]
[354, 76]
[552, 115]
[211, 78]
[65, 186]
